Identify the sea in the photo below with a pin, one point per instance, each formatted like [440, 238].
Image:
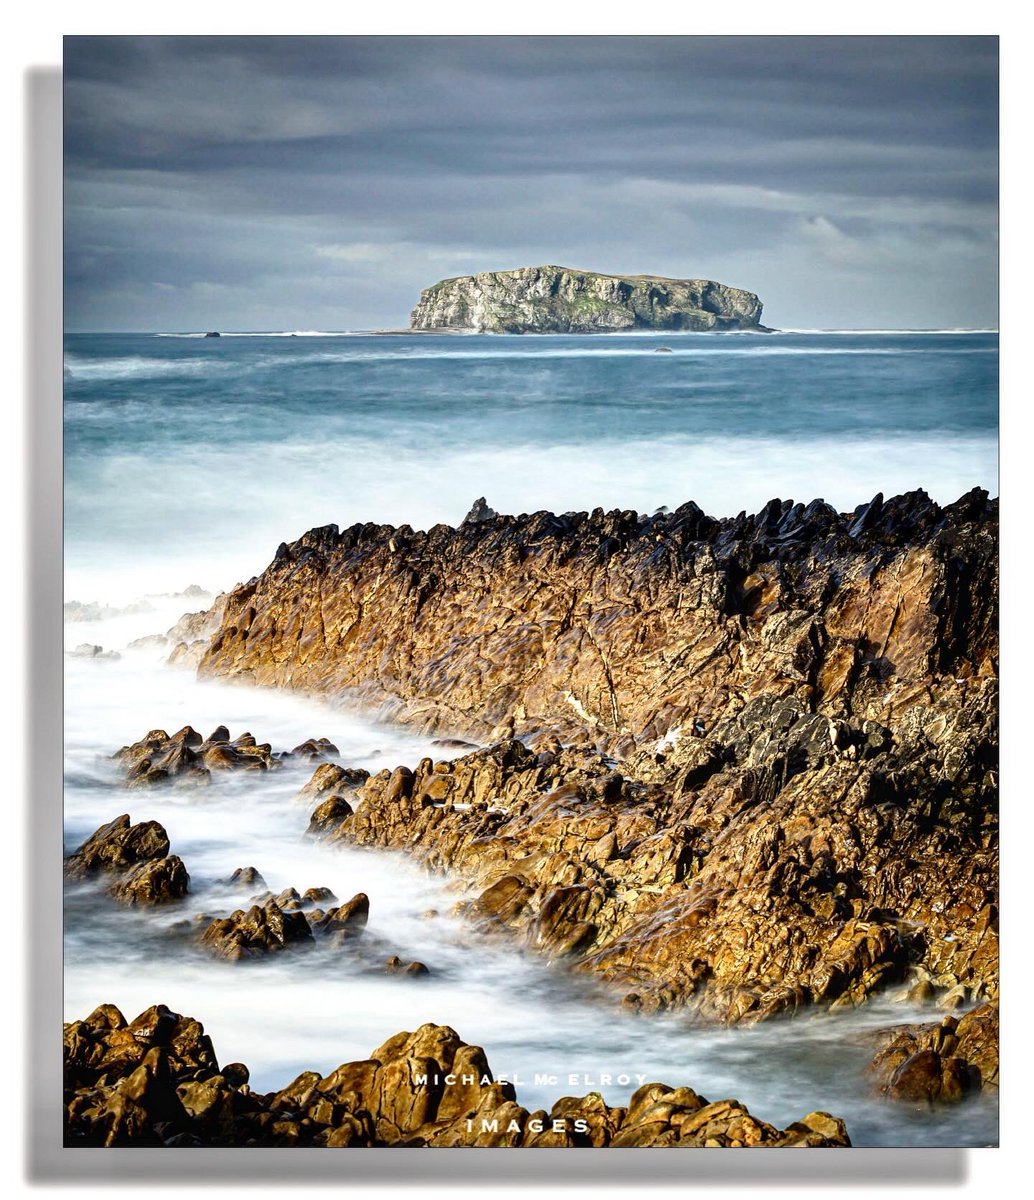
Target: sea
[189, 459]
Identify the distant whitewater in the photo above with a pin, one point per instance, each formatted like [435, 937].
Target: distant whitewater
[190, 461]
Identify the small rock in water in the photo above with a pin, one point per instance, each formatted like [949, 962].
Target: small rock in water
[97, 653]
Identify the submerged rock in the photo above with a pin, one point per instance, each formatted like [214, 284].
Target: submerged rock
[156, 1082]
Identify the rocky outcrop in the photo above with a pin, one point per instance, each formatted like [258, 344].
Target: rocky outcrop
[117, 846]
[186, 756]
[788, 871]
[763, 751]
[156, 1081]
[637, 634]
[942, 1062]
[137, 856]
[552, 299]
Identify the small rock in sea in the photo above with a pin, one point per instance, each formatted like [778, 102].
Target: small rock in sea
[97, 653]
[246, 877]
[213, 333]
[663, 350]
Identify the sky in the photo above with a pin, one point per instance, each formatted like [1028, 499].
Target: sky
[272, 183]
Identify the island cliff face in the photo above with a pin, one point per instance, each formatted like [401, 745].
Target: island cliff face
[553, 299]
[757, 764]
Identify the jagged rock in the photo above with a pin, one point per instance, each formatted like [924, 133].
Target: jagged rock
[187, 756]
[158, 881]
[157, 1082]
[940, 1062]
[763, 750]
[480, 510]
[118, 846]
[631, 633]
[552, 299]
[747, 890]
[262, 930]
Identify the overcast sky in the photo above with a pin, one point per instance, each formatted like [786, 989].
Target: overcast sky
[320, 183]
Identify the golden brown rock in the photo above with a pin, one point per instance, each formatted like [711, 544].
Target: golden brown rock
[157, 1082]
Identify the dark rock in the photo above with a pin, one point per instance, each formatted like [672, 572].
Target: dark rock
[158, 881]
[117, 846]
[480, 510]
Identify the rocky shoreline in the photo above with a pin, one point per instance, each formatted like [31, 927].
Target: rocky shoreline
[155, 1081]
[742, 765]
[737, 767]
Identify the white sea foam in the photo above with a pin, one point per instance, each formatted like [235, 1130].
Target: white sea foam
[233, 509]
[291, 1013]
[138, 367]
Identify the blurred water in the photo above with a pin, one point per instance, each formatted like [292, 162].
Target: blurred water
[188, 461]
[228, 446]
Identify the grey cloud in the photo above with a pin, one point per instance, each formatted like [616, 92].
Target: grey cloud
[206, 178]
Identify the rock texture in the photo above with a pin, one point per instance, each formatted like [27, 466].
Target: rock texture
[155, 1081]
[138, 858]
[554, 299]
[186, 756]
[763, 751]
[942, 1062]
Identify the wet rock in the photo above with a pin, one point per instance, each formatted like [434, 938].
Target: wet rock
[117, 846]
[940, 1062]
[246, 878]
[765, 747]
[261, 930]
[316, 750]
[328, 816]
[158, 881]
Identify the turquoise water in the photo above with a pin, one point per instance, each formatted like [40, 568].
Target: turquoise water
[188, 460]
[201, 454]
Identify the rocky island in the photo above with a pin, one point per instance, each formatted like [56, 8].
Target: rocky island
[551, 299]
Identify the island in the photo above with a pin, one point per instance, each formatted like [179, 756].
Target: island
[553, 299]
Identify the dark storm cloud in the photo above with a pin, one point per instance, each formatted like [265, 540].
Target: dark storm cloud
[287, 182]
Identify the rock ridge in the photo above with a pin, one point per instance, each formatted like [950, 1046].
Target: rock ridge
[623, 630]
